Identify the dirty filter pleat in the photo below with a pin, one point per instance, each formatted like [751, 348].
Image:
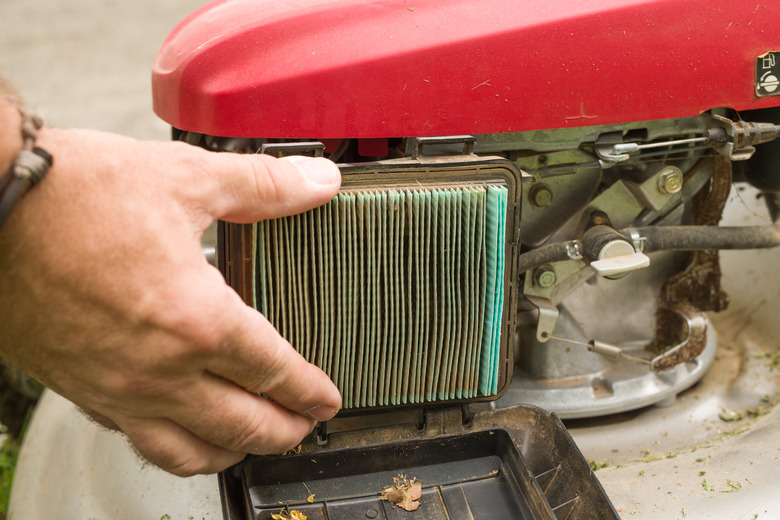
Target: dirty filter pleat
[397, 294]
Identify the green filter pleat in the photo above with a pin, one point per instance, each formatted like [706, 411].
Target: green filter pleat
[457, 325]
[498, 306]
[328, 308]
[447, 263]
[281, 285]
[434, 320]
[494, 238]
[308, 311]
[423, 283]
[466, 280]
[304, 268]
[257, 266]
[414, 266]
[445, 286]
[261, 271]
[315, 292]
[260, 276]
[270, 275]
[390, 308]
[400, 210]
[477, 288]
[344, 298]
[346, 301]
[415, 253]
[383, 311]
[361, 373]
[441, 276]
[499, 298]
[456, 359]
[408, 336]
[356, 283]
[391, 288]
[292, 282]
[292, 279]
[373, 304]
[483, 277]
[289, 262]
[331, 240]
[301, 342]
[329, 237]
[491, 253]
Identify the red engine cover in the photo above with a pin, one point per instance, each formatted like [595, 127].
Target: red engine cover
[393, 68]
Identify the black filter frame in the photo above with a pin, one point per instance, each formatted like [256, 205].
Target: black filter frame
[517, 462]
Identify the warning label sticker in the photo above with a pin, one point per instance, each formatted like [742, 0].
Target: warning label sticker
[768, 74]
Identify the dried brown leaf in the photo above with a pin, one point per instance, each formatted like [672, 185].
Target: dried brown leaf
[404, 493]
[415, 490]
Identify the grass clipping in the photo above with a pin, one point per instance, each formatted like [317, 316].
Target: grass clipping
[289, 515]
[404, 493]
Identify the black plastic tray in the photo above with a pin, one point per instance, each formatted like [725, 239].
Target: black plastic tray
[528, 470]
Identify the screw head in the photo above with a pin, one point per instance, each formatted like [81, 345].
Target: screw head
[545, 276]
[540, 196]
[670, 181]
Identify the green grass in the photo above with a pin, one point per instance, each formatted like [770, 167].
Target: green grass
[9, 452]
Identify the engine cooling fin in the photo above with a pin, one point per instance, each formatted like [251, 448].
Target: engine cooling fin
[399, 288]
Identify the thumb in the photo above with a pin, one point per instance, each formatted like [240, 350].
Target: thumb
[249, 188]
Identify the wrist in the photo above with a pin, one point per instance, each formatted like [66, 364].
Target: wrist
[28, 166]
[10, 135]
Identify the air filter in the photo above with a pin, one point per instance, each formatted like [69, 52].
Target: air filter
[400, 287]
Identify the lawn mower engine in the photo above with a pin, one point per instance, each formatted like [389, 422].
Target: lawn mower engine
[530, 202]
[529, 228]
[531, 196]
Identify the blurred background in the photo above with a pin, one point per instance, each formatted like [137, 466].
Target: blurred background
[88, 64]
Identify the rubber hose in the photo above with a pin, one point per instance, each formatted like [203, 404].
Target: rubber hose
[693, 238]
[534, 258]
[665, 238]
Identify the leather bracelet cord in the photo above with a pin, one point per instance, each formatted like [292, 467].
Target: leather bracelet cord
[29, 167]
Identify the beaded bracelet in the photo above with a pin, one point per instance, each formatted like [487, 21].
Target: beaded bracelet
[29, 167]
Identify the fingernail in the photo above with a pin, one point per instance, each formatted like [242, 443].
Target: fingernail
[322, 413]
[317, 169]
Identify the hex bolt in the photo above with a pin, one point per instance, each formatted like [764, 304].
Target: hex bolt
[545, 276]
[670, 181]
[540, 196]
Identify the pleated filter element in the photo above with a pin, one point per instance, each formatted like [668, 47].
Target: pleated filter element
[397, 294]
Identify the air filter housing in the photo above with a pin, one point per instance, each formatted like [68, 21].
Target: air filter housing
[402, 287]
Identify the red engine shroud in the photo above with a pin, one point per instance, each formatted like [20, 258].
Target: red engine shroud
[394, 68]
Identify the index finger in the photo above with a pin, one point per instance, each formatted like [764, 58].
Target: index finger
[259, 359]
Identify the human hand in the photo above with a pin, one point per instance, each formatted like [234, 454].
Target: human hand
[106, 297]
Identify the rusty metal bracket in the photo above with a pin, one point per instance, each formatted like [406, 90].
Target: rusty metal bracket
[548, 317]
[681, 320]
[699, 282]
